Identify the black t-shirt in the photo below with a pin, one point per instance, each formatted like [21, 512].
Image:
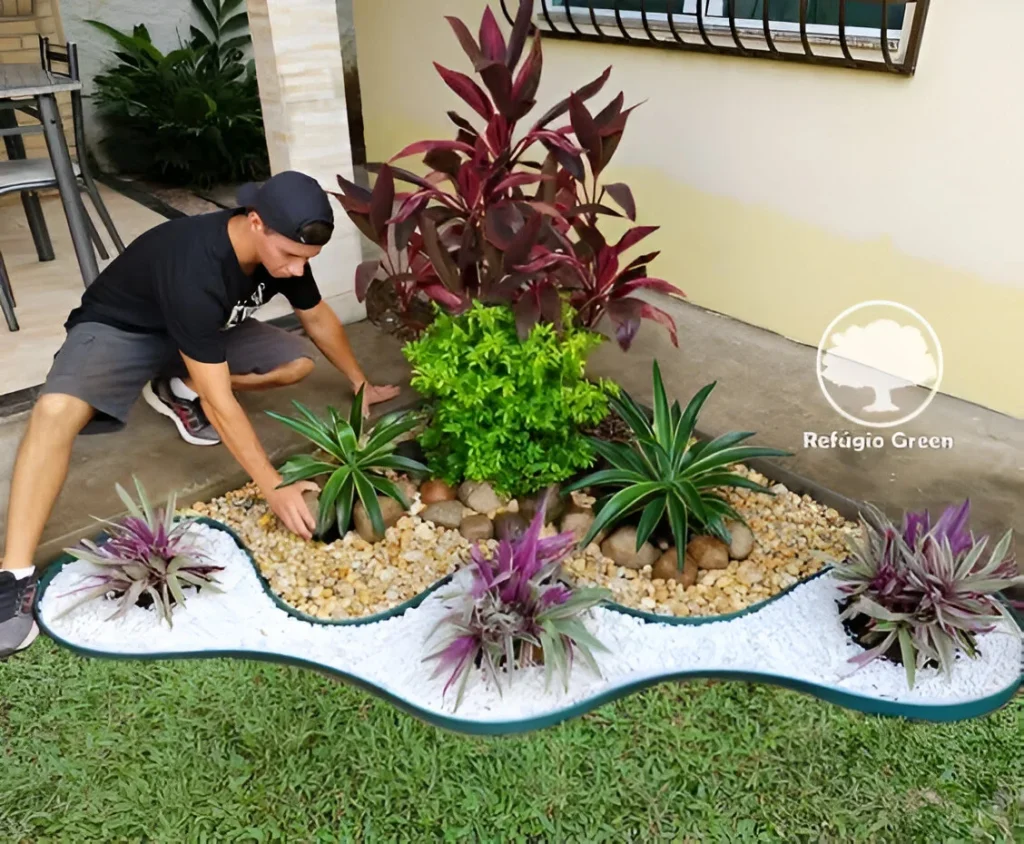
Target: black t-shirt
[181, 278]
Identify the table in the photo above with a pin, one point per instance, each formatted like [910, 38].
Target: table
[25, 82]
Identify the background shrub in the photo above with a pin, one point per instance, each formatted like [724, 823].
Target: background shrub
[506, 411]
[192, 116]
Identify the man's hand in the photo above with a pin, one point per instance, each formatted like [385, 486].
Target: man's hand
[290, 507]
[375, 395]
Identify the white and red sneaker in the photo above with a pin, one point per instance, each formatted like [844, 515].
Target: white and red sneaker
[187, 414]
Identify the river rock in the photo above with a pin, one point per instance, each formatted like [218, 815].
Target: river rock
[479, 496]
[749, 573]
[620, 547]
[742, 540]
[391, 511]
[509, 526]
[709, 552]
[577, 522]
[551, 497]
[433, 491]
[667, 568]
[477, 528]
[446, 514]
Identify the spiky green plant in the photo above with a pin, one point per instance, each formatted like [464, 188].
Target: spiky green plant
[353, 459]
[668, 473]
[147, 555]
[925, 587]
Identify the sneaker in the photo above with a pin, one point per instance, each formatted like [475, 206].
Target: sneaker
[187, 414]
[18, 628]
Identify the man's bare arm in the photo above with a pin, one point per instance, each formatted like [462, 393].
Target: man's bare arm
[213, 383]
[326, 331]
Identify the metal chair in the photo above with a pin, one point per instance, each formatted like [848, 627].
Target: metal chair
[7, 303]
[33, 174]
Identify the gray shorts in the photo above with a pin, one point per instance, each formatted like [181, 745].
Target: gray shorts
[107, 367]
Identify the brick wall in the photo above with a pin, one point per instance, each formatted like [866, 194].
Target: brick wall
[21, 24]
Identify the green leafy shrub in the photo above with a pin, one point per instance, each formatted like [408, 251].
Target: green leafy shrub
[192, 116]
[506, 411]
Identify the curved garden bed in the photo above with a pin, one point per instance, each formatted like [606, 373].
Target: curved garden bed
[796, 641]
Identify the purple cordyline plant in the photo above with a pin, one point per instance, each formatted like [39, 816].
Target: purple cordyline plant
[506, 216]
[514, 606]
[147, 555]
[926, 587]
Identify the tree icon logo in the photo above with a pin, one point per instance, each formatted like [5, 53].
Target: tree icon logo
[879, 364]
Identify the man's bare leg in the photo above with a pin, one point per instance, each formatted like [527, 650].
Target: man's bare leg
[39, 473]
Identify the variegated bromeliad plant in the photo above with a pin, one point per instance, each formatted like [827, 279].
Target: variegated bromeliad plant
[929, 589]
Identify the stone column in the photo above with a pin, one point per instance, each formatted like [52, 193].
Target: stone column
[297, 49]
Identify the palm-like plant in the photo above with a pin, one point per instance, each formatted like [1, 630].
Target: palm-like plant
[668, 473]
[353, 458]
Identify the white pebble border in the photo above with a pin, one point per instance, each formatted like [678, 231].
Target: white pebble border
[798, 636]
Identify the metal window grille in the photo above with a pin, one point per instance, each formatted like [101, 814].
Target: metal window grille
[823, 32]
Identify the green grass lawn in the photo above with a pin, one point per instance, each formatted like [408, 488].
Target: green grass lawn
[236, 751]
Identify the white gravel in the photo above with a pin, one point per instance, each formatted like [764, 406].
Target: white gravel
[798, 636]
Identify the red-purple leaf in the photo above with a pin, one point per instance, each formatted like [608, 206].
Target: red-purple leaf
[584, 94]
[354, 191]
[543, 263]
[462, 123]
[640, 260]
[554, 140]
[399, 173]
[469, 46]
[545, 208]
[364, 275]
[492, 42]
[609, 112]
[608, 147]
[571, 162]
[362, 222]
[623, 197]
[497, 134]
[658, 284]
[520, 32]
[519, 248]
[591, 208]
[440, 293]
[657, 315]
[445, 161]
[586, 131]
[469, 183]
[351, 204]
[498, 80]
[468, 90]
[432, 146]
[440, 258]
[551, 306]
[617, 124]
[518, 180]
[632, 237]
[528, 79]
[408, 208]
[382, 201]
[527, 312]
[403, 231]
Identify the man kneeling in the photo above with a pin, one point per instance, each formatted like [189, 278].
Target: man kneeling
[171, 319]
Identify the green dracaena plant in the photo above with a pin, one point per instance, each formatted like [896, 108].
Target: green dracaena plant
[353, 459]
[667, 473]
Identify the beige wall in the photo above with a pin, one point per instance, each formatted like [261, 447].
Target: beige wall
[787, 193]
[21, 24]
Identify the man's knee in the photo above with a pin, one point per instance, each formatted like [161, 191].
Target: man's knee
[60, 414]
[293, 372]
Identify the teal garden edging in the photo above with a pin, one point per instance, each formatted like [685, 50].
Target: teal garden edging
[847, 699]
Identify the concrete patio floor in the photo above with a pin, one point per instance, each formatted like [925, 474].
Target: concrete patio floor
[766, 384]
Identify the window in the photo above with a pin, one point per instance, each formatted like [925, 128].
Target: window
[16, 8]
[861, 34]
